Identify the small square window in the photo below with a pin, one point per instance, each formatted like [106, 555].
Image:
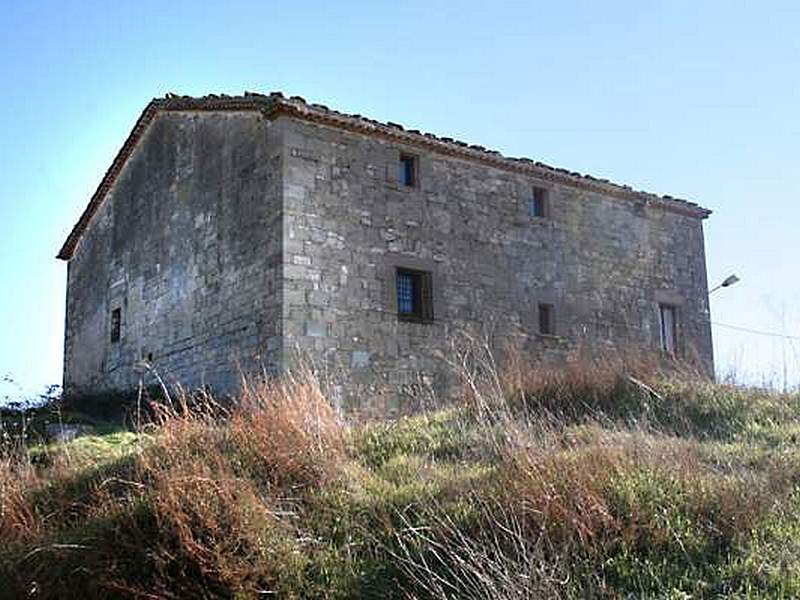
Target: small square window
[414, 295]
[668, 321]
[537, 206]
[547, 319]
[407, 170]
[116, 325]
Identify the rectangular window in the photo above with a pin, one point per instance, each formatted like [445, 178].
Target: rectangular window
[116, 325]
[414, 295]
[669, 328]
[547, 319]
[537, 207]
[407, 170]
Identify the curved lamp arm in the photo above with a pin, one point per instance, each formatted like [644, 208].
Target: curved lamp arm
[729, 281]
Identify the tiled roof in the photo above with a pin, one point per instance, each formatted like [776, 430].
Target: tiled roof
[276, 103]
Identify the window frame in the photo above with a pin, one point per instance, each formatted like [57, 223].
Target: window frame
[662, 328]
[403, 161]
[422, 295]
[539, 203]
[116, 325]
[546, 314]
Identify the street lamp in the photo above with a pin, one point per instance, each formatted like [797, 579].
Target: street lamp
[729, 281]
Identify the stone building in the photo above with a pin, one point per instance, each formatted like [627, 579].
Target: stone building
[232, 233]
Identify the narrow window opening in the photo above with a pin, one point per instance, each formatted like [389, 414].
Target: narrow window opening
[546, 319]
[116, 325]
[414, 295]
[407, 174]
[669, 328]
[537, 206]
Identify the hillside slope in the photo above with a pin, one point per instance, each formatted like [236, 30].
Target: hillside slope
[598, 481]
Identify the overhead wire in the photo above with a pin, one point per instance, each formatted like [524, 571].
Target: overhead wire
[756, 331]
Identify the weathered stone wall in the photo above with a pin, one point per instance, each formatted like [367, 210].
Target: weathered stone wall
[604, 263]
[188, 245]
[233, 241]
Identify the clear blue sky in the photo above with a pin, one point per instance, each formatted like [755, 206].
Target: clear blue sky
[694, 99]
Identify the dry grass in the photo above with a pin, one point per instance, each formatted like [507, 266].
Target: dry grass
[605, 479]
[202, 507]
[289, 431]
[18, 521]
[610, 481]
[581, 491]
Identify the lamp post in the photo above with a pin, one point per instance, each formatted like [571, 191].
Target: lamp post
[729, 281]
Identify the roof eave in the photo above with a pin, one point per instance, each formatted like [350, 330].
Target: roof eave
[275, 104]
